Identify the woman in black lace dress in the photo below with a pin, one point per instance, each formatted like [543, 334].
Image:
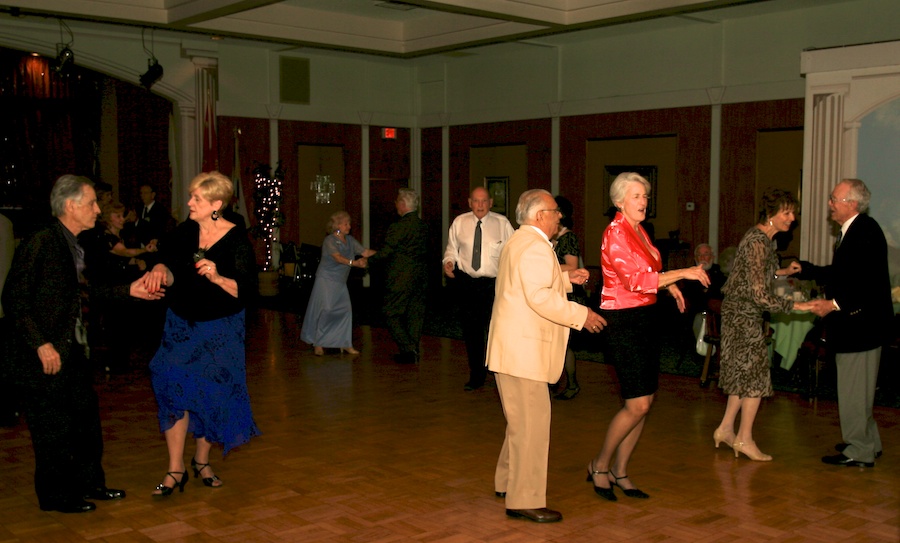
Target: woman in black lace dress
[569, 255]
[749, 292]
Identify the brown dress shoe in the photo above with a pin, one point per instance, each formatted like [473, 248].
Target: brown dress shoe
[537, 515]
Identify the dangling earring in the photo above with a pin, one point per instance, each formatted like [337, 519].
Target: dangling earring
[215, 214]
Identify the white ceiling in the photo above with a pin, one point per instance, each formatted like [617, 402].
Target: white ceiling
[404, 29]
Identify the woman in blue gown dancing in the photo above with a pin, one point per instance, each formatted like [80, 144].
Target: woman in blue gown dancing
[199, 375]
[328, 322]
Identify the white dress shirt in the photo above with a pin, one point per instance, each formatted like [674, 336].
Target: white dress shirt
[495, 230]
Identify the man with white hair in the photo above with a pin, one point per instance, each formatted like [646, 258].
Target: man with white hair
[529, 331]
[857, 313]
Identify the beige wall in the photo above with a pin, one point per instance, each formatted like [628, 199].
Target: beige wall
[501, 161]
[313, 160]
[659, 152]
[779, 164]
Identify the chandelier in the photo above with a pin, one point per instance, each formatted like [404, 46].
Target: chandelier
[323, 187]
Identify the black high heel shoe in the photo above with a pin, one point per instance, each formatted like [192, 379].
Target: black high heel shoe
[630, 492]
[167, 490]
[605, 493]
[208, 481]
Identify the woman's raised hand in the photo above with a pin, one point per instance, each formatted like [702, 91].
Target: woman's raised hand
[696, 273]
[156, 279]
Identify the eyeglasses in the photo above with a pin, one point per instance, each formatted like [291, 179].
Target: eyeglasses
[834, 200]
[557, 211]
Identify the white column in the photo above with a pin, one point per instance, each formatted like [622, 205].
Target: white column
[445, 179]
[365, 118]
[715, 167]
[555, 108]
[188, 154]
[825, 172]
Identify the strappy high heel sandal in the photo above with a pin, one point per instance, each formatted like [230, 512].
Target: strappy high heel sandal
[349, 350]
[630, 492]
[167, 490]
[605, 493]
[208, 481]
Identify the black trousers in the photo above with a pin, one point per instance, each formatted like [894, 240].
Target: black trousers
[475, 296]
[62, 412]
[404, 312]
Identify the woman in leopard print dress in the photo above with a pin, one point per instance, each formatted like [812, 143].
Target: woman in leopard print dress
[749, 292]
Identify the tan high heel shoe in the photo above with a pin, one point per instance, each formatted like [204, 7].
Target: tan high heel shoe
[721, 437]
[349, 350]
[756, 455]
[318, 351]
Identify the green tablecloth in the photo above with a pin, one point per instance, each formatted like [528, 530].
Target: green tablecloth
[790, 330]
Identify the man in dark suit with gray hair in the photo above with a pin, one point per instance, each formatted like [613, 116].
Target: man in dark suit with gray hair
[857, 315]
[44, 297]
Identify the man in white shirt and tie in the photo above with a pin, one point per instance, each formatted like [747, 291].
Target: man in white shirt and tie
[470, 260]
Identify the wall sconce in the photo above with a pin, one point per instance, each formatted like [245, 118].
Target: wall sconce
[154, 70]
[323, 187]
[65, 58]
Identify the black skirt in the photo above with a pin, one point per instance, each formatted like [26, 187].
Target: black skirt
[633, 348]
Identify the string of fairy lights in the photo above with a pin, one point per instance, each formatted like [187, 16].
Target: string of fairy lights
[268, 205]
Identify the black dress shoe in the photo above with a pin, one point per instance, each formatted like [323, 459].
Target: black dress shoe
[76, 506]
[103, 494]
[470, 386]
[841, 460]
[841, 446]
[500, 494]
[537, 515]
[406, 357]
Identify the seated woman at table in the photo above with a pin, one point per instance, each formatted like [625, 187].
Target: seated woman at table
[749, 292]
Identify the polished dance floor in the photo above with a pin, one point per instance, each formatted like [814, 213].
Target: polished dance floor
[365, 450]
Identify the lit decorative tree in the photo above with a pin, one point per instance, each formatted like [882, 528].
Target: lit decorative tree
[267, 197]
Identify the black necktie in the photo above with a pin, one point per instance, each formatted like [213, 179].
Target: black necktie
[476, 248]
[837, 242]
[146, 212]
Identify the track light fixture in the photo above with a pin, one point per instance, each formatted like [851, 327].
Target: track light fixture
[154, 69]
[65, 58]
[153, 74]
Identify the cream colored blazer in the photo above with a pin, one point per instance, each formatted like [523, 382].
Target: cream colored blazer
[531, 317]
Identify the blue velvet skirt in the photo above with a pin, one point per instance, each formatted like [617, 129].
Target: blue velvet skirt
[200, 369]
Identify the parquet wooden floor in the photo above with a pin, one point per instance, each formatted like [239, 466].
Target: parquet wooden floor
[363, 450]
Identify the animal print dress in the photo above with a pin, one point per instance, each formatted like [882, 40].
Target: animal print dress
[749, 292]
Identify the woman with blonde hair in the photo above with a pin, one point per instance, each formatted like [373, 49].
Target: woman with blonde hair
[199, 378]
[328, 322]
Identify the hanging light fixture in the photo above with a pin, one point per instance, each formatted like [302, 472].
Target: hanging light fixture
[154, 69]
[323, 187]
[65, 58]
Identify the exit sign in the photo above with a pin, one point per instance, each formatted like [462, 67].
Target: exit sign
[389, 133]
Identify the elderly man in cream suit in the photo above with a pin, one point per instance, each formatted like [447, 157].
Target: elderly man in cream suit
[526, 348]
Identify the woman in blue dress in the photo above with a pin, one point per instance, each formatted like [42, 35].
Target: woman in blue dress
[199, 375]
[328, 322]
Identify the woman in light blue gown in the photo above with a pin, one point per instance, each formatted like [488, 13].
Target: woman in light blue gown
[328, 322]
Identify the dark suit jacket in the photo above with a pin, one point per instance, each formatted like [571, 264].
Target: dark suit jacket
[404, 254]
[858, 279]
[43, 300]
[157, 223]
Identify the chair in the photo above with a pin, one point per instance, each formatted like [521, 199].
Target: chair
[713, 316]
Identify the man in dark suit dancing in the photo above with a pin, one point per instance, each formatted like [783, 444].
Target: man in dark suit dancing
[404, 256]
[43, 297]
[857, 314]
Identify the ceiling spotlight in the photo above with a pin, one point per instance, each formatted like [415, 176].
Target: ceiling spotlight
[154, 70]
[153, 74]
[65, 58]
